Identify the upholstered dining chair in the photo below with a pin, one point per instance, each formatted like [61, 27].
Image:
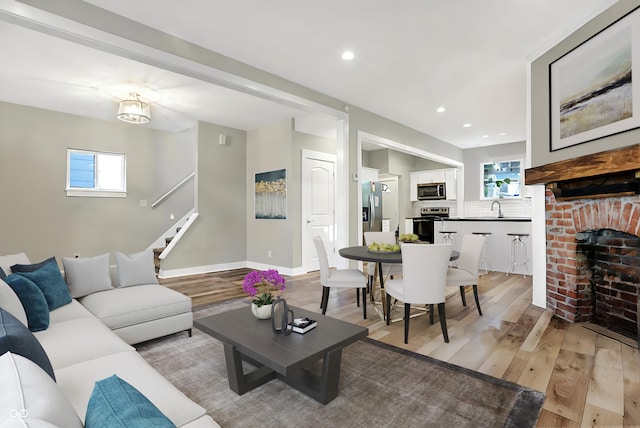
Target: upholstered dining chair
[388, 269]
[466, 271]
[339, 278]
[424, 276]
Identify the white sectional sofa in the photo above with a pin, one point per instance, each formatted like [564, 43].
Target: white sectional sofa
[88, 340]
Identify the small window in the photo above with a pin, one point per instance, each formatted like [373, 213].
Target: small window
[501, 180]
[96, 174]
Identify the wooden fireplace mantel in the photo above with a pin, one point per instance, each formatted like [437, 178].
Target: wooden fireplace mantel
[614, 161]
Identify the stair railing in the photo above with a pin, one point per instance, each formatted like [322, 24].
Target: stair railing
[183, 230]
[173, 190]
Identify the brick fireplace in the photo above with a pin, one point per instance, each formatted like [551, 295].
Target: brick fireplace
[592, 246]
[573, 228]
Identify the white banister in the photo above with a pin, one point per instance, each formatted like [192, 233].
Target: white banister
[173, 189]
[179, 235]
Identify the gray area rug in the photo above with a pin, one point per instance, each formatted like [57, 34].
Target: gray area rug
[380, 385]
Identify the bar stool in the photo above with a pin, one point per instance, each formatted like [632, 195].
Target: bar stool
[447, 236]
[484, 257]
[518, 253]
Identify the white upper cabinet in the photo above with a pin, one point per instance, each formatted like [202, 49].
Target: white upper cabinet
[451, 179]
[448, 176]
[369, 174]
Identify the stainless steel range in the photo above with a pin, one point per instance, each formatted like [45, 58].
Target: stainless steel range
[423, 225]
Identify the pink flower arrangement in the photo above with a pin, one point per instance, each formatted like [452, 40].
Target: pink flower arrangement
[262, 285]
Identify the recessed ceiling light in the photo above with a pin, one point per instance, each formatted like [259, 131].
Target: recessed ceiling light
[441, 109]
[348, 55]
[466, 125]
[486, 136]
[502, 134]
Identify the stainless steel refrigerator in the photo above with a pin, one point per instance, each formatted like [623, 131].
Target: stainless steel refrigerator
[371, 206]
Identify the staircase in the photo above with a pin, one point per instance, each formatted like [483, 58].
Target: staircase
[158, 251]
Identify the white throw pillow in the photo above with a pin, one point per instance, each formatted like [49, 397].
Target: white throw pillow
[10, 302]
[29, 393]
[136, 269]
[87, 275]
[13, 259]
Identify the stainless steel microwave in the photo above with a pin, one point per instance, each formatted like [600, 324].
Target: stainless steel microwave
[430, 191]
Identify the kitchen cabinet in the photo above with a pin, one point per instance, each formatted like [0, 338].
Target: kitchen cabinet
[369, 174]
[413, 186]
[452, 183]
[499, 243]
[448, 176]
[408, 225]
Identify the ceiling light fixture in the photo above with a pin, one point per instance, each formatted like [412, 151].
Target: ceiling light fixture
[466, 125]
[441, 109]
[133, 110]
[348, 55]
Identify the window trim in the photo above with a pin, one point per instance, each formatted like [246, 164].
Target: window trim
[96, 192]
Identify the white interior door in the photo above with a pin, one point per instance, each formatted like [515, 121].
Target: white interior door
[318, 206]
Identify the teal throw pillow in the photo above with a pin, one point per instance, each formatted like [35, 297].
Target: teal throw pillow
[116, 403]
[32, 299]
[18, 267]
[48, 278]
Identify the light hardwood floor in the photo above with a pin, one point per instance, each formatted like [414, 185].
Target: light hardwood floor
[590, 379]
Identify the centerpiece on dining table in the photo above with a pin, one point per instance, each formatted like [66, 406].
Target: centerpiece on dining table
[379, 247]
[263, 287]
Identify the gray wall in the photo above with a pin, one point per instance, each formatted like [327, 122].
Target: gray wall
[219, 235]
[273, 147]
[474, 158]
[40, 220]
[269, 149]
[540, 124]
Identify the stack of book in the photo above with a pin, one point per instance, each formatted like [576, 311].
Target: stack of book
[303, 325]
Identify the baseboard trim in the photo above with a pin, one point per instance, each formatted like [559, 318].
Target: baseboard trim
[172, 273]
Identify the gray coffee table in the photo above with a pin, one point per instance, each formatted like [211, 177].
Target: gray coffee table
[283, 357]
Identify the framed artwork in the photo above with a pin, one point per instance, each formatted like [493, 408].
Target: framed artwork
[271, 194]
[592, 93]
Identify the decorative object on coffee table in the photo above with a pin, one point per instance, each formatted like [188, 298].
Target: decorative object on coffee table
[281, 317]
[262, 287]
[261, 312]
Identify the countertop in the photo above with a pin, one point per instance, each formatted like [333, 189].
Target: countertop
[488, 219]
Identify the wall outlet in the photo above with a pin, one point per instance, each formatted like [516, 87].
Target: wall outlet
[269, 253]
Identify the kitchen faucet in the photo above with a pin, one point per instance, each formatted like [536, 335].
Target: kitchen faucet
[500, 215]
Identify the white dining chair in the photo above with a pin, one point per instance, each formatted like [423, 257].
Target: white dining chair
[466, 271]
[339, 278]
[424, 276]
[388, 269]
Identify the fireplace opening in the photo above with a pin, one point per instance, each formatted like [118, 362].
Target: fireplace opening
[608, 265]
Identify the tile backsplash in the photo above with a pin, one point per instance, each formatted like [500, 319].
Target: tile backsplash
[510, 207]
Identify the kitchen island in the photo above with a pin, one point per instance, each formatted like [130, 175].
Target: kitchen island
[498, 244]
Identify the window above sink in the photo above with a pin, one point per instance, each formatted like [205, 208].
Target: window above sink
[501, 179]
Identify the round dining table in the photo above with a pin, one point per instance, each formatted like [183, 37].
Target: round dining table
[362, 253]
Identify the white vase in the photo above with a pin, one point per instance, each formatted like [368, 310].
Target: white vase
[261, 312]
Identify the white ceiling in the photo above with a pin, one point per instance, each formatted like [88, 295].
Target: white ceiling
[411, 56]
